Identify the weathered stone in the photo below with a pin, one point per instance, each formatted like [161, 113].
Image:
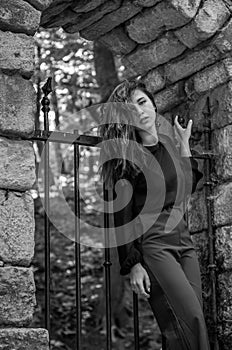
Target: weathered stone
[148, 25]
[170, 97]
[17, 166]
[24, 338]
[191, 63]
[200, 241]
[222, 146]
[213, 76]
[223, 41]
[223, 245]
[110, 21]
[221, 101]
[78, 22]
[187, 8]
[86, 5]
[40, 5]
[209, 19]
[56, 8]
[17, 296]
[146, 3]
[224, 297]
[16, 228]
[197, 212]
[152, 55]
[17, 105]
[118, 41]
[17, 53]
[222, 196]
[155, 80]
[18, 16]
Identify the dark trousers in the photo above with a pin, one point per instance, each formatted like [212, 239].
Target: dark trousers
[176, 295]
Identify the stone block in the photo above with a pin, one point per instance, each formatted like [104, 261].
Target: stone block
[187, 8]
[73, 22]
[118, 41]
[197, 212]
[40, 5]
[54, 10]
[110, 21]
[155, 80]
[210, 18]
[222, 146]
[223, 245]
[17, 166]
[24, 338]
[213, 76]
[222, 196]
[221, 101]
[223, 41]
[152, 55]
[17, 106]
[86, 5]
[16, 228]
[19, 16]
[224, 307]
[149, 24]
[17, 296]
[17, 53]
[170, 97]
[191, 63]
[146, 3]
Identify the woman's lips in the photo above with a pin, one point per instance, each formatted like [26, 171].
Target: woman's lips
[144, 120]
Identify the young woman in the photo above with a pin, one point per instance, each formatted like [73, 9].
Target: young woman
[154, 244]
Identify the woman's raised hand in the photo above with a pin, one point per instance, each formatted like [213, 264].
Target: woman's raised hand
[139, 280]
[182, 134]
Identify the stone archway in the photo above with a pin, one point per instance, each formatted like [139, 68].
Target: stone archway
[182, 49]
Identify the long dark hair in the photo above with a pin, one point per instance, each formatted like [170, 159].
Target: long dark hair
[121, 157]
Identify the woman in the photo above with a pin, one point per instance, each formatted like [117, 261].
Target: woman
[154, 244]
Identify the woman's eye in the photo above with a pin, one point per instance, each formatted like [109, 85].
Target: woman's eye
[141, 102]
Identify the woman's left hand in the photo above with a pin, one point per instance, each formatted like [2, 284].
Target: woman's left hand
[182, 134]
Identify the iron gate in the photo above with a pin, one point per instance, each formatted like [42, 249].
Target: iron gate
[92, 141]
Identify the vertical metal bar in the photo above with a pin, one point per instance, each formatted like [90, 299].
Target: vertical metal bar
[210, 214]
[45, 103]
[107, 264]
[136, 320]
[77, 244]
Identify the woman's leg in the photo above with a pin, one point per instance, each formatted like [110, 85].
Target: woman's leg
[174, 301]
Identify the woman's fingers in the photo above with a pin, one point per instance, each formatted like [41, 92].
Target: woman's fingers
[147, 283]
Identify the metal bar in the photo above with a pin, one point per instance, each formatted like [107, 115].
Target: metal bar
[77, 244]
[107, 264]
[210, 215]
[136, 320]
[45, 103]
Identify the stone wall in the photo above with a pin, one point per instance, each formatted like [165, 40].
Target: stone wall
[182, 49]
[18, 22]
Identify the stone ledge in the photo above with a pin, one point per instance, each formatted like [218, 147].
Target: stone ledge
[24, 338]
[17, 106]
[17, 296]
[17, 53]
[16, 228]
[17, 166]
[18, 16]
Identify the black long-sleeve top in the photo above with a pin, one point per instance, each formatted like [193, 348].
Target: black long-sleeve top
[165, 183]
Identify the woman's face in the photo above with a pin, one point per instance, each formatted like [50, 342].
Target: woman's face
[145, 108]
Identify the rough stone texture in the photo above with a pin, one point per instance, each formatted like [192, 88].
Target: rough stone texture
[221, 100]
[152, 55]
[16, 228]
[154, 80]
[17, 106]
[197, 212]
[148, 25]
[146, 3]
[222, 145]
[24, 338]
[209, 19]
[213, 76]
[224, 248]
[17, 296]
[86, 5]
[18, 16]
[191, 63]
[223, 204]
[17, 53]
[223, 41]
[225, 309]
[170, 97]
[81, 21]
[56, 8]
[110, 21]
[200, 241]
[40, 5]
[17, 166]
[118, 41]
